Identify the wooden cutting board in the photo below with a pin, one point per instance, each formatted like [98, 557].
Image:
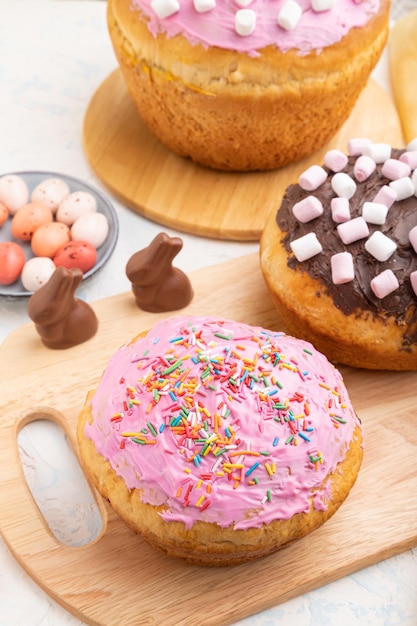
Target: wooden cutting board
[118, 579]
[177, 193]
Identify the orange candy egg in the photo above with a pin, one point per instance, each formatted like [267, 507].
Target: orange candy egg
[48, 238]
[28, 219]
[4, 213]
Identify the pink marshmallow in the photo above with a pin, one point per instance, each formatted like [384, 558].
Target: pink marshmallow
[410, 157]
[353, 230]
[384, 283]
[307, 209]
[356, 146]
[342, 268]
[386, 195]
[335, 160]
[395, 169]
[412, 235]
[340, 210]
[363, 168]
[312, 178]
[413, 281]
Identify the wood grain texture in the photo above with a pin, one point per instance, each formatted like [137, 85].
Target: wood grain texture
[118, 579]
[177, 193]
[402, 45]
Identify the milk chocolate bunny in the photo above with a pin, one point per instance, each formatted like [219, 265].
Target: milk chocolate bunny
[61, 319]
[156, 285]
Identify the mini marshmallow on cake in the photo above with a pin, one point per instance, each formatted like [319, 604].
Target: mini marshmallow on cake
[340, 256]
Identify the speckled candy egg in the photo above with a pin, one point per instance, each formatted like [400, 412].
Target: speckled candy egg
[4, 213]
[14, 192]
[12, 260]
[48, 238]
[75, 205]
[36, 272]
[51, 192]
[91, 227]
[79, 254]
[28, 218]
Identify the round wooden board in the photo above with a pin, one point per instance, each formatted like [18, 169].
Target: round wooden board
[179, 194]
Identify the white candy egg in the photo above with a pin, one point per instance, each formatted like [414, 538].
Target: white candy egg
[51, 192]
[14, 192]
[91, 227]
[36, 272]
[76, 204]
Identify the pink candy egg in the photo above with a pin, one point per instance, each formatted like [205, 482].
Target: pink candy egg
[48, 238]
[79, 254]
[51, 192]
[91, 227]
[13, 192]
[28, 218]
[74, 206]
[36, 272]
[12, 260]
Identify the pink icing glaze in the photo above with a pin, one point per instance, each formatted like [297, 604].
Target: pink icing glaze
[266, 419]
[314, 31]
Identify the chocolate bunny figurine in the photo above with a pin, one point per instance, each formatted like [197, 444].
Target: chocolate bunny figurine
[156, 285]
[61, 319]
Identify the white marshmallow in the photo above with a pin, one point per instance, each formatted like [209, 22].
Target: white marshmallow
[379, 152]
[343, 270]
[202, 6]
[307, 209]
[357, 145]
[412, 235]
[343, 185]
[363, 168]
[335, 160]
[413, 281]
[395, 169]
[289, 14]
[353, 230]
[380, 246]
[340, 210]
[410, 157]
[322, 5]
[414, 181]
[245, 22]
[404, 187]
[384, 283]
[312, 178]
[386, 195]
[413, 144]
[165, 8]
[374, 212]
[244, 3]
[306, 247]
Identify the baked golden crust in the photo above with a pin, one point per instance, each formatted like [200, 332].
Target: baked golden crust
[206, 543]
[360, 339]
[218, 108]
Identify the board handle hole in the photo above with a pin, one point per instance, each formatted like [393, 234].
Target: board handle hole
[56, 480]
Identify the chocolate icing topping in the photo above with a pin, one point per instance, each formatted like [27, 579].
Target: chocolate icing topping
[356, 297]
[156, 284]
[61, 319]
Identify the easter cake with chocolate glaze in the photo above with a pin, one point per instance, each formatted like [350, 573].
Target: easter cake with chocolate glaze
[241, 85]
[220, 442]
[340, 256]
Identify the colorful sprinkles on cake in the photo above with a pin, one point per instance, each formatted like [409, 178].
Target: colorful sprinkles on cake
[189, 397]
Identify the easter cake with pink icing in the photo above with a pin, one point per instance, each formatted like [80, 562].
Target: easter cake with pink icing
[220, 442]
[246, 84]
[340, 256]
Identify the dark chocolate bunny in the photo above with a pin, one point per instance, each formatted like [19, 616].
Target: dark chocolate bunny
[156, 285]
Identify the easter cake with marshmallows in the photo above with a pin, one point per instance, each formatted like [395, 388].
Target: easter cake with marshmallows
[340, 256]
[246, 84]
[220, 442]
